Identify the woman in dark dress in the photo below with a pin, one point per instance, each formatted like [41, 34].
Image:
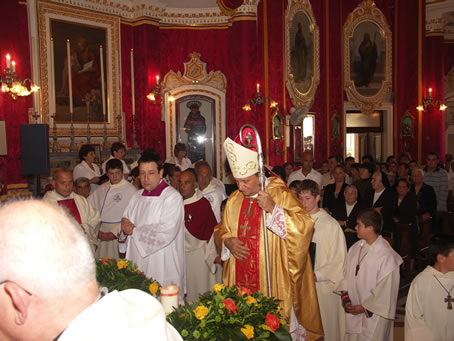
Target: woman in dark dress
[334, 193]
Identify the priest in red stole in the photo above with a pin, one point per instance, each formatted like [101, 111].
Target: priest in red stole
[76, 205]
[290, 229]
[199, 221]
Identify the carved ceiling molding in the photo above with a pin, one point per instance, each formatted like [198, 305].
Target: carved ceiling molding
[195, 73]
[165, 16]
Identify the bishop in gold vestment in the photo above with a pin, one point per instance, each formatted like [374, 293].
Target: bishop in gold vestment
[292, 278]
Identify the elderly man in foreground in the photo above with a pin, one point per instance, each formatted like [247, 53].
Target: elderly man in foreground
[48, 288]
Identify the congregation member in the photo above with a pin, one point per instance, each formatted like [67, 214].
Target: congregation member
[111, 199]
[364, 185]
[153, 222]
[174, 177]
[48, 289]
[334, 193]
[354, 173]
[63, 195]
[306, 171]
[210, 188]
[413, 164]
[199, 219]
[87, 167]
[330, 258]
[179, 159]
[427, 199]
[135, 179]
[403, 172]
[437, 177]
[328, 177]
[346, 212]
[82, 187]
[288, 169]
[369, 294]
[382, 200]
[428, 312]
[290, 229]
[324, 167]
[117, 151]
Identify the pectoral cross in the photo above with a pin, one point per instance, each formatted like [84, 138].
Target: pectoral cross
[244, 228]
[448, 300]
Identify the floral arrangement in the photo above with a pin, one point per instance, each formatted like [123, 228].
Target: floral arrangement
[123, 274]
[231, 313]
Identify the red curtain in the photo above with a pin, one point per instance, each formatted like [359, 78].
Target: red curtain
[14, 40]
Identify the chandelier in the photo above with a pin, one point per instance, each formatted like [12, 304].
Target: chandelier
[155, 91]
[429, 102]
[13, 85]
[257, 100]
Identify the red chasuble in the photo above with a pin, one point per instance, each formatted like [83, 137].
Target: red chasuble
[71, 207]
[247, 271]
[199, 219]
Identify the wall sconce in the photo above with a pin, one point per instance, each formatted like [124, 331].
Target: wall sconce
[257, 100]
[155, 91]
[428, 102]
[13, 85]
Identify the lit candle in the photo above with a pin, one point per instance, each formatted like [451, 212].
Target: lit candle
[132, 84]
[430, 91]
[258, 87]
[8, 61]
[157, 80]
[169, 298]
[102, 81]
[14, 66]
[70, 81]
[52, 67]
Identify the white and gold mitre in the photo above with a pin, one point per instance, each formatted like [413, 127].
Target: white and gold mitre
[243, 161]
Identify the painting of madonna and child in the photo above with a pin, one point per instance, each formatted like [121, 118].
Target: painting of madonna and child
[85, 42]
[367, 58]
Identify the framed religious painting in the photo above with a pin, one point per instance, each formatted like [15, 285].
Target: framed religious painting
[302, 53]
[367, 57]
[79, 69]
[276, 125]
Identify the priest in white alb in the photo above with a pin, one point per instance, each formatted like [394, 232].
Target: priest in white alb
[330, 260]
[154, 224]
[369, 294]
[63, 195]
[429, 313]
[111, 199]
[200, 222]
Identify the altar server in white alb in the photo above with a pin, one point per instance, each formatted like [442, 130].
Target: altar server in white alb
[201, 255]
[429, 313]
[63, 195]
[330, 260]
[369, 294]
[154, 224]
[111, 199]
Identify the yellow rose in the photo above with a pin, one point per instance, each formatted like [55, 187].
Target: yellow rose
[121, 264]
[265, 327]
[283, 322]
[218, 287]
[153, 287]
[251, 300]
[200, 312]
[248, 331]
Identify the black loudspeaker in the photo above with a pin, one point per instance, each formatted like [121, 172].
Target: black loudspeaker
[34, 144]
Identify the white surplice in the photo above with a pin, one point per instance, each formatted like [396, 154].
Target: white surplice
[126, 315]
[215, 196]
[330, 262]
[426, 315]
[89, 216]
[375, 287]
[157, 241]
[111, 201]
[84, 170]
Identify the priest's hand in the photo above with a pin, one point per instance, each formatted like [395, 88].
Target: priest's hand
[354, 309]
[265, 202]
[126, 226]
[106, 236]
[236, 247]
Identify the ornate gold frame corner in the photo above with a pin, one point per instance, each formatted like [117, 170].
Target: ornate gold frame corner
[367, 12]
[299, 98]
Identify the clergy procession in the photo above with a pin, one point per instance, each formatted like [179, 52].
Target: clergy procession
[327, 258]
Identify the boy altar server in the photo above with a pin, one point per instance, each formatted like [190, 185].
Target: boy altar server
[330, 256]
[111, 199]
[154, 224]
[372, 282]
[429, 313]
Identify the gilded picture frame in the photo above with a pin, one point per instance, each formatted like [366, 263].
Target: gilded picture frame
[302, 53]
[367, 57]
[74, 22]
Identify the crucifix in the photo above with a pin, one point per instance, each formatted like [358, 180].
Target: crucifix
[449, 300]
[244, 228]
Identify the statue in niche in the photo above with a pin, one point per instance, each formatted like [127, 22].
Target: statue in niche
[195, 127]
